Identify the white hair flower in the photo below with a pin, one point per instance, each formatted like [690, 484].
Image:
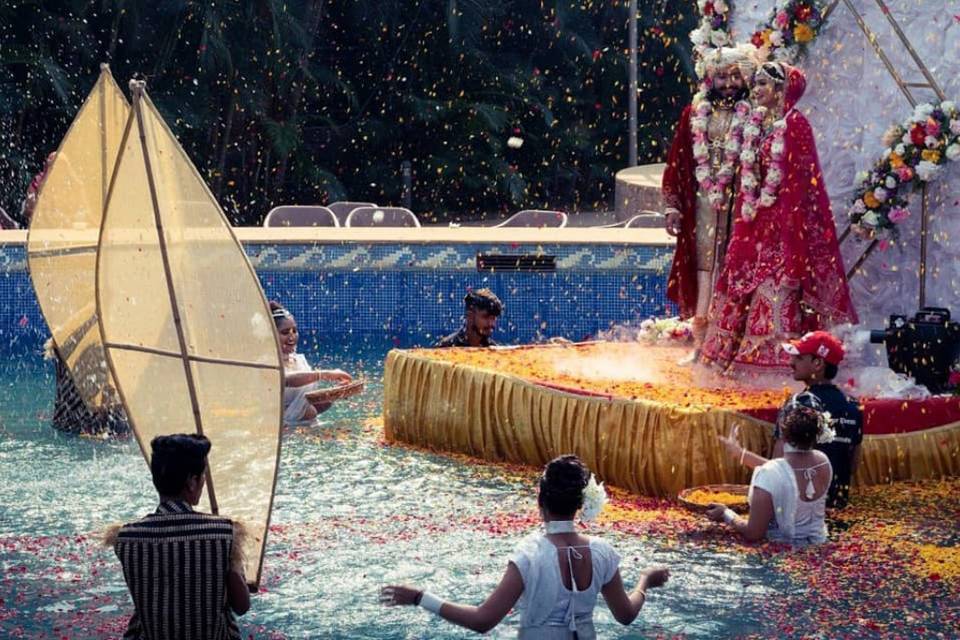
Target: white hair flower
[594, 497]
[827, 434]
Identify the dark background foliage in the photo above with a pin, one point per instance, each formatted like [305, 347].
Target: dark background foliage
[306, 101]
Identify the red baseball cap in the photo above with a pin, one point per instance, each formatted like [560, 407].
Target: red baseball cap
[817, 343]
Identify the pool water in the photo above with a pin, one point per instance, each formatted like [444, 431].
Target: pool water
[351, 514]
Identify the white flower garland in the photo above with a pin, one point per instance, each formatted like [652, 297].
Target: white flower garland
[750, 164]
[715, 186]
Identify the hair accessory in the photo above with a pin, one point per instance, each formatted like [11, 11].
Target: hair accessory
[594, 497]
[280, 313]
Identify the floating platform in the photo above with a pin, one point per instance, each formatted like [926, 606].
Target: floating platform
[636, 418]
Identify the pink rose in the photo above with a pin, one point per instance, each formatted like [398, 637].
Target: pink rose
[954, 379]
[898, 215]
[782, 20]
[905, 173]
[932, 127]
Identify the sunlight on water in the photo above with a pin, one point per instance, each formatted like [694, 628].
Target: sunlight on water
[350, 515]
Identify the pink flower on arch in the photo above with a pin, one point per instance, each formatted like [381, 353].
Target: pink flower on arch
[898, 214]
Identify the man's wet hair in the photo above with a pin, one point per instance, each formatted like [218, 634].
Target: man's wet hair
[176, 458]
[483, 300]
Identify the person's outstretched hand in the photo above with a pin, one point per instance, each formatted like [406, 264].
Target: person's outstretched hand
[715, 512]
[656, 576]
[673, 223]
[395, 595]
[732, 441]
[337, 375]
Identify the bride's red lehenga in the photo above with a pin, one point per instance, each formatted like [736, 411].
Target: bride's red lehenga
[783, 275]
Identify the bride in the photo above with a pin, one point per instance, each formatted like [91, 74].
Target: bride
[783, 275]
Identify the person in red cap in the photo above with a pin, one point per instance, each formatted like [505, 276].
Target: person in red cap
[814, 359]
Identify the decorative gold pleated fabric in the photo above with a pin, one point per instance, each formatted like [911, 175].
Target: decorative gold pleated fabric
[646, 446]
[186, 327]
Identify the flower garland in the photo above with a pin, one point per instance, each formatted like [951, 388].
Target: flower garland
[789, 28]
[714, 29]
[750, 163]
[663, 329]
[715, 186]
[915, 154]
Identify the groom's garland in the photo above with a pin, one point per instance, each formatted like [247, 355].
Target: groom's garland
[790, 27]
[915, 153]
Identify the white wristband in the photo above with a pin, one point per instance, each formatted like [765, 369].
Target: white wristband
[430, 602]
[729, 515]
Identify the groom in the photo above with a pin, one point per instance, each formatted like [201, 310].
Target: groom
[699, 182]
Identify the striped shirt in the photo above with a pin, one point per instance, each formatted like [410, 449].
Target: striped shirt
[175, 562]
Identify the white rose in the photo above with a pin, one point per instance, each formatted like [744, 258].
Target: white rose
[776, 38]
[774, 176]
[906, 139]
[861, 178]
[749, 181]
[948, 106]
[719, 38]
[953, 151]
[858, 207]
[699, 37]
[923, 111]
[720, 6]
[900, 150]
[700, 149]
[777, 147]
[880, 194]
[870, 219]
[767, 200]
[890, 182]
[926, 171]
[931, 142]
[732, 145]
[701, 4]
[955, 126]
[886, 153]
[749, 156]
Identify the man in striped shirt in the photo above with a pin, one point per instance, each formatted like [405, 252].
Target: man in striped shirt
[183, 568]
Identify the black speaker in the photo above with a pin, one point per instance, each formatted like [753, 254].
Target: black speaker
[924, 347]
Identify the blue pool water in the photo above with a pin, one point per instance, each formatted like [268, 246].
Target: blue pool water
[351, 514]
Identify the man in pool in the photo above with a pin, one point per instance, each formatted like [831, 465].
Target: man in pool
[481, 310]
[183, 568]
[815, 361]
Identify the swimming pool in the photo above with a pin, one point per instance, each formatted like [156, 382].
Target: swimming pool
[353, 513]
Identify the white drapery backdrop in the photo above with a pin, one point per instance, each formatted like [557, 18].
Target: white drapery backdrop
[850, 101]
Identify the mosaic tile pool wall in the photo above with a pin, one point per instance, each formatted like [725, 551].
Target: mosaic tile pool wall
[411, 294]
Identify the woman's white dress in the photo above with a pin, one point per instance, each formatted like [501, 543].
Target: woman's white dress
[294, 398]
[795, 521]
[550, 611]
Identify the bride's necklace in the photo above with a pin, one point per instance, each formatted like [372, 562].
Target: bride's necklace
[559, 526]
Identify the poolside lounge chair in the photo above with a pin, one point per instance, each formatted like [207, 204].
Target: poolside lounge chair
[382, 217]
[301, 216]
[535, 218]
[343, 209]
[647, 220]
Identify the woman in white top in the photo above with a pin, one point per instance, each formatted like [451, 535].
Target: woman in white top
[299, 376]
[787, 495]
[554, 576]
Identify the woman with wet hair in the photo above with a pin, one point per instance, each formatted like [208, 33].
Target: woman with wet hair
[553, 576]
[299, 377]
[787, 495]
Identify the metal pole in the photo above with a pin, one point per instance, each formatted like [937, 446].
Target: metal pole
[924, 220]
[632, 102]
[407, 170]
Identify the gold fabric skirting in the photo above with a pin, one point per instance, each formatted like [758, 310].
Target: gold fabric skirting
[644, 446]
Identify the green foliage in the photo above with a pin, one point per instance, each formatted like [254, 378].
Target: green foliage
[304, 101]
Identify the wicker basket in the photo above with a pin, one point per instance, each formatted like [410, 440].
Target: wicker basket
[736, 489]
[335, 393]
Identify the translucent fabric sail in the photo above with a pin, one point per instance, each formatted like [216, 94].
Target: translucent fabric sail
[62, 240]
[187, 330]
